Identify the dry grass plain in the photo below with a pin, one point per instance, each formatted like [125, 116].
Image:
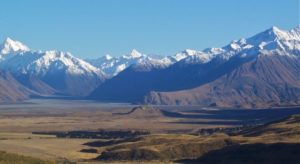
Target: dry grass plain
[81, 118]
[44, 147]
[18, 121]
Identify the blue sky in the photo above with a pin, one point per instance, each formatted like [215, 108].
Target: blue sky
[92, 28]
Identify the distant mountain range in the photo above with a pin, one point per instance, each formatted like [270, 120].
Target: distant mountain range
[114, 65]
[260, 71]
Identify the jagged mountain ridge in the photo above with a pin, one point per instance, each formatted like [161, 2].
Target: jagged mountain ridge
[159, 86]
[60, 72]
[54, 72]
[137, 77]
[270, 78]
[112, 66]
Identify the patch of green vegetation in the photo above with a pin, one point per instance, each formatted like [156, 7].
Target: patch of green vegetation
[20, 159]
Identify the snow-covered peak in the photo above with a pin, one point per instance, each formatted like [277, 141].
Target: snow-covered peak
[144, 62]
[107, 57]
[12, 46]
[293, 34]
[64, 60]
[42, 63]
[133, 54]
[272, 39]
[114, 65]
[274, 29]
[236, 45]
[276, 39]
[214, 50]
[141, 61]
[277, 33]
[189, 52]
[268, 35]
[199, 57]
[183, 54]
[273, 34]
[147, 64]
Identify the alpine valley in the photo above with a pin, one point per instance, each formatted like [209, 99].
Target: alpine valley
[259, 71]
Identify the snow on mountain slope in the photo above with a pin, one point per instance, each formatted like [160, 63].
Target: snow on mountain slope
[10, 46]
[73, 76]
[39, 63]
[60, 70]
[273, 39]
[114, 65]
[194, 69]
[133, 55]
[186, 53]
[270, 39]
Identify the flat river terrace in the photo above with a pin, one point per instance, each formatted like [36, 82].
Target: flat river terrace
[40, 115]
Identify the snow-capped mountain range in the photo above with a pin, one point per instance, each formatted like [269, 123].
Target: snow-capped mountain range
[271, 39]
[18, 58]
[114, 65]
[60, 70]
[62, 73]
[262, 69]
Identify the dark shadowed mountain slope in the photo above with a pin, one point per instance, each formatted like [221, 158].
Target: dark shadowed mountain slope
[35, 84]
[269, 79]
[134, 83]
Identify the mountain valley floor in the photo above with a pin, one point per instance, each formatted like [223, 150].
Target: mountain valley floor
[22, 127]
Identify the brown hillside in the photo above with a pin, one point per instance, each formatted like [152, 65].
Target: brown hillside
[269, 80]
[11, 90]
